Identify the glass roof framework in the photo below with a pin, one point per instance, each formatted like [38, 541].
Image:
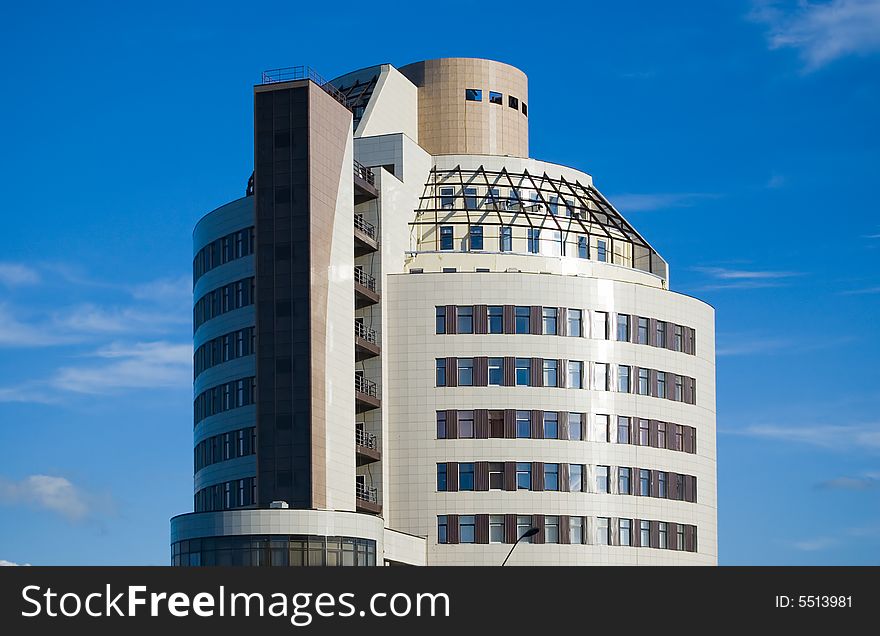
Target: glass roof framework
[580, 209]
[357, 96]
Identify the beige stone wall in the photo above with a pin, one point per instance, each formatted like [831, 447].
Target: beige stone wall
[448, 124]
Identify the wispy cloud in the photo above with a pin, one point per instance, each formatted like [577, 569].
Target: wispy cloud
[15, 274]
[5, 563]
[861, 436]
[821, 32]
[865, 481]
[864, 290]
[47, 492]
[775, 182]
[650, 202]
[749, 345]
[814, 545]
[17, 332]
[728, 278]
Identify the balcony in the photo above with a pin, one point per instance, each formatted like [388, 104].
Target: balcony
[364, 289]
[365, 238]
[367, 499]
[366, 447]
[366, 394]
[364, 184]
[366, 344]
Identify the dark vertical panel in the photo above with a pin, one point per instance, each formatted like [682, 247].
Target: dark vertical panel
[451, 371]
[561, 374]
[536, 320]
[537, 476]
[481, 319]
[510, 528]
[634, 471]
[508, 319]
[564, 529]
[451, 424]
[652, 382]
[670, 335]
[537, 424]
[451, 319]
[634, 328]
[452, 476]
[508, 371]
[563, 424]
[635, 534]
[563, 477]
[652, 332]
[672, 536]
[509, 423]
[689, 536]
[537, 372]
[481, 531]
[655, 534]
[655, 483]
[452, 530]
[538, 522]
[481, 475]
[688, 439]
[670, 385]
[562, 326]
[481, 423]
[653, 433]
[481, 371]
[509, 475]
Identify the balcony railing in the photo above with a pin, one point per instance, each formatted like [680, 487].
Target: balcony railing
[368, 387]
[365, 493]
[364, 173]
[364, 280]
[364, 226]
[364, 333]
[367, 440]
[293, 73]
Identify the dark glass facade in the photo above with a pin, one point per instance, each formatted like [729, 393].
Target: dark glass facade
[275, 550]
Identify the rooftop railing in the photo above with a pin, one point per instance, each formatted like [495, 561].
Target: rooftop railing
[293, 73]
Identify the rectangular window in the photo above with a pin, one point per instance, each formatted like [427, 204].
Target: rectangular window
[550, 372]
[644, 432]
[534, 240]
[441, 529]
[625, 528]
[600, 376]
[505, 237]
[441, 424]
[661, 434]
[623, 430]
[551, 425]
[495, 98]
[513, 102]
[470, 198]
[575, 426]
[465, 319]
[523, 476]
[476, 238]
[643, 331]
[522, 371]
[603, 531]
[661, 384]
[440, 320]
[465, 372]
[496, 424]
[679, 437]
[523, 424]
[643, 382]
[496, 475]
[466, 424]
[623, 379]
[576, 530]
[575, 374]
[678, 388]
[575, 477]
[624, 481]
[600, 429]
[441, 371]
[467, 529]
[466, 476]
[551, 476]
[575, 322]
[496, 371]
[522, 321]
[600, 325]
[473, 94]
[622, 327]
[496, 319]
[662, 482]
[677, 337]
[446, 242]
[662, 532]
[583, 247]
[679, 533]
[550, 316]
[603, 483]
[447, 198]
[551, 529]
[496, 528]
[492, 198]
[644, 533]
[441, 477]
[601, 250]
[644, 482]
[660, 335]
[523, 524]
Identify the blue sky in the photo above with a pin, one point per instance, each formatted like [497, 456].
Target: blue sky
[741, 138]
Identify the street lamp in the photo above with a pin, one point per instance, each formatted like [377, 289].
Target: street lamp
[531, 532]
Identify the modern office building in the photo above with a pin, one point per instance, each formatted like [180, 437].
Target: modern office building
[413, 343]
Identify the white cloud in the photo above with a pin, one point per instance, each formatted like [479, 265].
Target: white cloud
[55, 494]
[865, 481]
[775, 182]
[748, 345]
[5, 563]
[861, 436]
[743, 278]
[814, 545]
[166, 290]
[646, 202]
[821, 32]
[21, 333]
[14, 274]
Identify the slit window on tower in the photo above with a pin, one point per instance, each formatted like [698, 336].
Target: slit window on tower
[473, 94]
[525, 109]
[513, 102]
[496, 98]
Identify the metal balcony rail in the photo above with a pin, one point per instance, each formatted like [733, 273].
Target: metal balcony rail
[365, 280]
[366, 494]
[362, 385]
[364, 173]
[364, 332]
[293, 73]
[364, 226]
[368, 440]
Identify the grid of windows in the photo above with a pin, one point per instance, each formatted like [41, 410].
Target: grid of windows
[224, 397]
[230, 346]
[274, 550]
[224, 299]
[230, 445]
[495, 97]
[223, 250]
[226, 495]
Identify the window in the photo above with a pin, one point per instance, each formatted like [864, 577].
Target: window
[644, 533]
[441, 424]
[476, 238]
[603, 484]
[441, 529]
[679, 533]
[496, 319]
[513, 102]
[496, 424]
[446, 242]
[575, 322]
[678, 388]
[473, 94]
[677, 337]
[603, 531]
[447, 198]
[534, 242]
[551, 425]
[601, 251]
[623, 430]
[550, 316]
[525, 109]
[624, 481]
[466, 424]
[521, 316]
[662, 531]
[661, 434]
[523, 424]
[644, 432]
[440, 320]
[492, 198]
[496, 371]
[505, 239]
[522, 371]
[661, 384]
[550, 372]
[523, 523]
[662, 482]
[466, 476]
[470, 198]
[441, 477]
[600, 325]
[524, 476]
[643, 382]
[623, 379]
[441, 371]
[600, 376]
[576, 530]
[575, 426]
[575, 477]
[495, 98]
[643, 331]
[467, 529]
[625, 527]
[496, 528]
[496, 475]
[551, 476]
[465, 372]
[600, 429]
[678, 442]
[623, 327]
[660, 334]
[465, 319]
[583, 247]
[551, 529]
[575, 374]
